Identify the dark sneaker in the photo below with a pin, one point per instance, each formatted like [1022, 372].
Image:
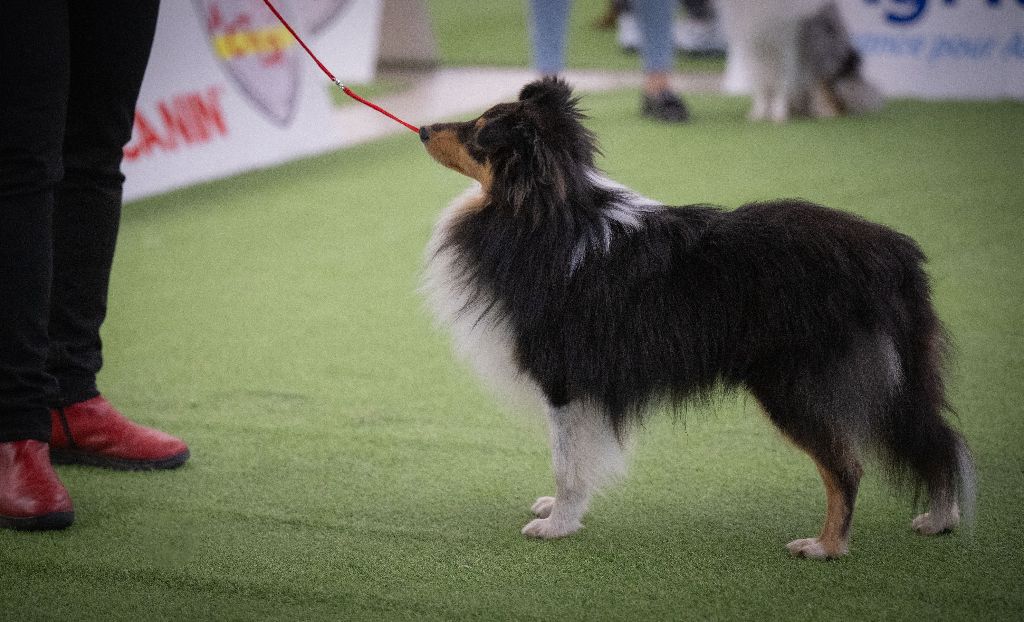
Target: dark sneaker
[665, 106]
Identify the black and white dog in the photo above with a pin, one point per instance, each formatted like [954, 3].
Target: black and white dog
[605, 304]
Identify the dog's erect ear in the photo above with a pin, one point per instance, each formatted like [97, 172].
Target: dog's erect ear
[829, 21]
[548, 91]
[831, 13]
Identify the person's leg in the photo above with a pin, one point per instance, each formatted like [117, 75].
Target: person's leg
[549, 23]
[110, 45]
[658, 56]
[699, 33]
[33, 98]
[656, 48]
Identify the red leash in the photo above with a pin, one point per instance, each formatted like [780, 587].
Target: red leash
[330, 75]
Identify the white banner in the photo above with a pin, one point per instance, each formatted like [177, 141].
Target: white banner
[955, 49]
[937, 49]
[228, 89]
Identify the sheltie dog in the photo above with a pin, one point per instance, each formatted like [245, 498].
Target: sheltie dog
[798, 59]
[605, 304]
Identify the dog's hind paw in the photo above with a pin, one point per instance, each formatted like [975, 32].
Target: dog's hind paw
[548, 528]
[541, 508]
[934, 523]
[813, 548]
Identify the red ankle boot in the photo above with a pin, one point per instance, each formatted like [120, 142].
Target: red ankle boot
[31, 495]
[93, 432]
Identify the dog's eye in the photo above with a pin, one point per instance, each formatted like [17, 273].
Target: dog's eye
[491, 134]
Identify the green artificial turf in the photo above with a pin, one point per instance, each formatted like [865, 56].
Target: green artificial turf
[345, 466]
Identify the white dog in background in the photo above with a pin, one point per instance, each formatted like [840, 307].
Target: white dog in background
[797, 58]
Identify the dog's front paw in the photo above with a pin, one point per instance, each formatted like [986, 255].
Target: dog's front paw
[548, 528]
[814, 548]
[541, 508]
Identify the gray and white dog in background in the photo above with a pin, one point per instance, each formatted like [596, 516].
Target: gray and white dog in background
[797, 58]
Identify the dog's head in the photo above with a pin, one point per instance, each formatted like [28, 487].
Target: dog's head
[534, 145]
[827, 51]
[825, 46]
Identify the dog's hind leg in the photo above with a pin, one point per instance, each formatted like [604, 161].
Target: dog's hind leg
[585, 453]
[803, 420]
[841, 482]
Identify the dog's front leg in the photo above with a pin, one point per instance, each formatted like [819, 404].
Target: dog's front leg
[585, 453]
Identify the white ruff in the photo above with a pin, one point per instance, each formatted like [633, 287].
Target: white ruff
[481, 334]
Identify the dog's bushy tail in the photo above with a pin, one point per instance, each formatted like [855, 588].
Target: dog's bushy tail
[918, 445]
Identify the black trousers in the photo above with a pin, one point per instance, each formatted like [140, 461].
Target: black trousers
[70, 73]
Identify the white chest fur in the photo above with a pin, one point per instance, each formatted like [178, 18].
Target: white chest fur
[482, 335]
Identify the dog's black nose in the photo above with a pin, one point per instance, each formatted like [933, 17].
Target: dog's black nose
[424, 133]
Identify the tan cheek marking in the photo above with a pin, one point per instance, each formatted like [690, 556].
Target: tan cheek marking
[484, 175]
[442, 147]
[446, 148]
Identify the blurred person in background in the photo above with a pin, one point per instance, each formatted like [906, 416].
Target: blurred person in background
[699, 33]
[549, 20]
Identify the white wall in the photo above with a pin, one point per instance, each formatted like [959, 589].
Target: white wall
[962, 49]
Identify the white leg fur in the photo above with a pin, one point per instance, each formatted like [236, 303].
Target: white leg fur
[542, 507]
[943, 508]
[811, 548]
[935, 522]
[788, 84]
[585, 454]
[780, 106]
[759, 109]
[943, 515]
